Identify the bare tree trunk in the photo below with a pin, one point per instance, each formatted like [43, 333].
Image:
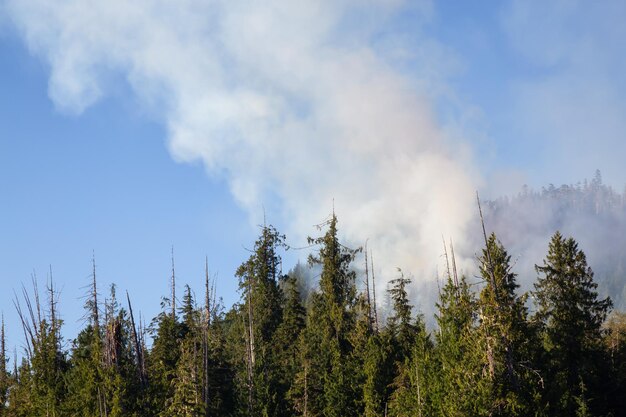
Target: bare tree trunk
[454, 273]
[3, 356]
[251, 323]
[306, 390]
[173, 284]
[205, 339]
[367, 289]
[374, 293]
[138, 348]
[94, 297]
[490, 263]
[53, 313]
[246, 336]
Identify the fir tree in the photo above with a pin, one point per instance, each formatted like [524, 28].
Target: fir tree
[287, 335]
[570, 316]
[504, 331]
[327, 366]
[412, 350]
[460, 389]
[262, 313]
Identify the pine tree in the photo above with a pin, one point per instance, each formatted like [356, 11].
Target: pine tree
[570, 316]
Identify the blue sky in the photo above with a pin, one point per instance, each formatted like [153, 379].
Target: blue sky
[104, 183]
[126, 129]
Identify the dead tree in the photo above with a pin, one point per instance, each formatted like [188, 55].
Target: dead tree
[173, 284]
[367, 290]
[141, 366]
[374, 293]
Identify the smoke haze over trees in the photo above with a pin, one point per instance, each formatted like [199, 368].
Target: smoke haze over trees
[590, 210]
[493, 350]
[128, 127]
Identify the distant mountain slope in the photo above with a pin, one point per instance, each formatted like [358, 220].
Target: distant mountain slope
[591, 212]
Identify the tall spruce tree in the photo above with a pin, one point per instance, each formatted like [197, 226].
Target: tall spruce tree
[570, 316]
[460, 388]
[504, 330]
[188, 378]
[262, 314]
[327, 366]
[163, 357]
[411, 350]
[285, 342]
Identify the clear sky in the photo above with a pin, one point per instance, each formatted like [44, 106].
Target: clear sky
[127, 128]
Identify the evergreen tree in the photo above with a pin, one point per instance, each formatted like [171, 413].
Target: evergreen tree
[287, 335]
[379, 372]
[504, 332]
[163, 358]
[21, 396]
[570, 316]
[327, 365]
[220, 374]
[262, 313]
[186, 400]
[615, 344]
[120, 388]
[42, 376]
[460, 389]
[5, 380]
[188, 376]
[402, 331]
[412, 350]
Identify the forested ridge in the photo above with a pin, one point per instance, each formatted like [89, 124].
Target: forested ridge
[493, 351]
[593, 212]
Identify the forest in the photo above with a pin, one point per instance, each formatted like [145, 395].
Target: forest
[558, 350]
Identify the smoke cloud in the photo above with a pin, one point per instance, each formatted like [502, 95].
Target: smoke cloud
[298, 105]
[304, 106]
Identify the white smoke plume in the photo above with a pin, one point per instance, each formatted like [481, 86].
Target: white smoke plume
[295, 104]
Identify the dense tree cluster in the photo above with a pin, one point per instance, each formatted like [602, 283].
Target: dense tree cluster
[492, 352]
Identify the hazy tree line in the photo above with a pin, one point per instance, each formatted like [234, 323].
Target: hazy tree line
[493, 351]
[593, 212]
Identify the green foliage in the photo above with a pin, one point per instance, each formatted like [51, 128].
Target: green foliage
[570, 317]
[460, 386]
[5, 378]
[505, 334]
[162, 360]
[275, 354]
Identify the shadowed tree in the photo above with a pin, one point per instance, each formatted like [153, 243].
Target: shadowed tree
[570, 316]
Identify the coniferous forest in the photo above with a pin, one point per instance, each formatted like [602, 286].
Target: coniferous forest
[559, 350]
